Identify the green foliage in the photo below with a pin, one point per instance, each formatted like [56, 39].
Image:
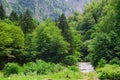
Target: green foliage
[2, 12]
[100, 46]
[11, 41]
[11, 68]
[73, 38]
[13, 16]
[26, 22]
[58, 67]
[91, 16]
[105, 40]
[30, 50]
[61, 75]
[63, 25]
[102, 76]
[71, 60]
[29, 67]
[38, 67]
[49, 42]
[114, 61]
[43, 67]
[111, 72]
[74, 68]
[102, 63]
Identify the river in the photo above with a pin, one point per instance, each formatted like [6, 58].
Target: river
[86, 67]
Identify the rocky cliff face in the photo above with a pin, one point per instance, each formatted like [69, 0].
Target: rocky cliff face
[41, 9]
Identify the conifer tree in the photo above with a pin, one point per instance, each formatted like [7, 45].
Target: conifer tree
[72, 37]
[27, 23]
[2, 12]
[63, 25]
[13, 16]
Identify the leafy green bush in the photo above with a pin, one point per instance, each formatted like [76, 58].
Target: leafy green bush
[111, 72]
[29, 67]
[102, 76]
[58, 67]
[73, 68]
[11, 68]
[42, 67]
[71, 60]
[45, 68]
[114, 61]
[39, 67]
[102, 63]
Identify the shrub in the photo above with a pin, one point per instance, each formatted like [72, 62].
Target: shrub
[11, 68]
[39, 67]
[111, 72]
[114, 61]
[58, 67]
[43, 67]
[71, 60]
[73, 68]
[29, 67]
[102, 76]
[102, 63]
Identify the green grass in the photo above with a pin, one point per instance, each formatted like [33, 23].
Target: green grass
[111, 72]
[62, 75]
[90, 76]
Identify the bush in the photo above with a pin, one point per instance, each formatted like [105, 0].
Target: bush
[58, 67]
[114, 61]
[111, 72]
[74, 68]
[102, 63]
[11, 68]
[29, 68]
[71, 60]
[102, 76]
[39, 67]
[44, 68]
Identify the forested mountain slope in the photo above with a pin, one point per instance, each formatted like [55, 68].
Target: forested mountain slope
[40, 9]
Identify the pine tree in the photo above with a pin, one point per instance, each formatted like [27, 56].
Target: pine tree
[63, 25]
[72, 37]
[13, 16]
[26, 22]
[2, 12]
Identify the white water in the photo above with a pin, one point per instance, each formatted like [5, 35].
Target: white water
[86, 67]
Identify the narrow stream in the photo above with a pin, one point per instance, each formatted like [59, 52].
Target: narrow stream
[86, 67]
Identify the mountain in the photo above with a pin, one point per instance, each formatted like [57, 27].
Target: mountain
[40, 9]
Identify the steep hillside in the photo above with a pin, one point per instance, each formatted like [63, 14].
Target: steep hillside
[41, 9]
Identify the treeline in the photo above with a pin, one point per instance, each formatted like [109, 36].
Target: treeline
[23, 40]
[99, 26]
[92, 36]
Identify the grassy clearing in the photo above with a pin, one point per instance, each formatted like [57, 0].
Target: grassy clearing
[90, 76]
[62, 75]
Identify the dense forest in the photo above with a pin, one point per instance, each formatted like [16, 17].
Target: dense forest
[40, 9]
[28, 46]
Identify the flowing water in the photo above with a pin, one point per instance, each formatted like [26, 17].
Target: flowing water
[86, 67]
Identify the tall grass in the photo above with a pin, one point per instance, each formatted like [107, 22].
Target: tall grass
[111, 72]
[38, 67]
[66, 74]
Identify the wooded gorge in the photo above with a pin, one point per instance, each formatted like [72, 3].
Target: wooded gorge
[30, 47]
